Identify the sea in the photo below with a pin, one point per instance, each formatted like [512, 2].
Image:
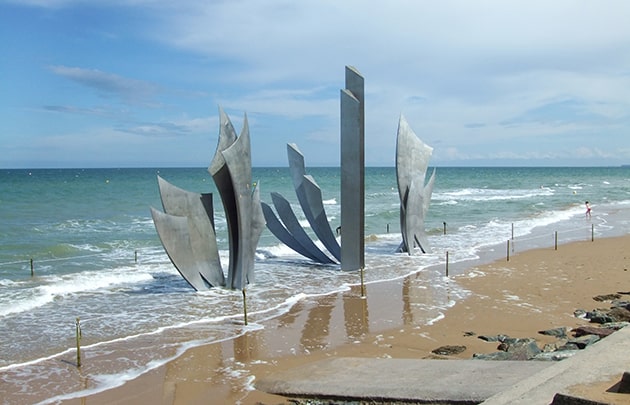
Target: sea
[79, 255]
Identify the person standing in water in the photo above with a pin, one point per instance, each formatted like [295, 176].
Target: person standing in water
[588, 209]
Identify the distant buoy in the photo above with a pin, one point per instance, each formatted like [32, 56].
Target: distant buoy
[107, 181]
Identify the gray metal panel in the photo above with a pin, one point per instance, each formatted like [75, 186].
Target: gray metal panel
[290, 221]
[426, 193]
[257, 227]
[224, 185]
[296, 165]
[412, 160]
[221, 176]
[173, 233]
[319, 221]
[414, 218]
[277, 228]
[227, 136]
[412, 156]
[310, 198]
[191, 242]
[238, 160]
[198, 209]
[355, 84]
[352, 172]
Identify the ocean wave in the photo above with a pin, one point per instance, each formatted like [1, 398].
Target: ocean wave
[54, 287]
[483, 194]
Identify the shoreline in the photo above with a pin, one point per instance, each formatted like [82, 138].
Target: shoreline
[536, 290]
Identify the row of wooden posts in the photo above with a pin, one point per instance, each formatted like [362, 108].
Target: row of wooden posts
[78, 322]
[555, 243]
[32, 262]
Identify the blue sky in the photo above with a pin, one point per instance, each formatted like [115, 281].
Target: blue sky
[137, 83]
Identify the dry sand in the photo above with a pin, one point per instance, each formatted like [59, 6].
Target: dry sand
[534, 290]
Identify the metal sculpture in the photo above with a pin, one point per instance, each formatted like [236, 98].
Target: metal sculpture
[412, 160]
[231, 169]
[287, 229]
[351, 253]
[352, 172]
[186, 228]
[310, 197]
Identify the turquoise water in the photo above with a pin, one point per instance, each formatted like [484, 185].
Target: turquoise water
[96, 254]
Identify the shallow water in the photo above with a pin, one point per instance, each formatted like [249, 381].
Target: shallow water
[96, 256]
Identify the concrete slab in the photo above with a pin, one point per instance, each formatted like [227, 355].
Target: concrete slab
[432, 381]
[455, 381]
[601, 362]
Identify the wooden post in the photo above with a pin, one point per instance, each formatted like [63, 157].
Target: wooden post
[32, 268]
[362, 284]
[244, 307]
[135, 256]
[508, 250]
[444, 223]
[512, 230]
[387, 228]
[78, 333]
[555, 244]
[592, 233]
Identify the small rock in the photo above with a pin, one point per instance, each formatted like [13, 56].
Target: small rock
[624, 384]
[599, 317]
[616, 325]
[622, 304]
[515, 349]
[557, 332]
[495, 338]
[584, 341]
[607, 297]
[591, 330]
[493, 356]
[448, 350]
[579, 313]
[568, 346]
[517, 341]
[525, 351]
[555, 356]
[552, 347]
[619, 314]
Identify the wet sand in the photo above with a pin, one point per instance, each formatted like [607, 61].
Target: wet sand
[534, 290]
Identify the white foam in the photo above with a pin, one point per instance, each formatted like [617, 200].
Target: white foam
[486, 194]
[55, 287]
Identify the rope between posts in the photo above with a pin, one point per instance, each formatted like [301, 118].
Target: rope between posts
[114, 316]
[17, 262]
[559, 232]
[57, 259]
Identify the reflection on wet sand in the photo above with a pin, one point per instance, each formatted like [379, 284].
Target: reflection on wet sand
[317, 326]
[355, 309]
[311, 327]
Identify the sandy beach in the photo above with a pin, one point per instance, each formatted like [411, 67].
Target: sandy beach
[533, 291]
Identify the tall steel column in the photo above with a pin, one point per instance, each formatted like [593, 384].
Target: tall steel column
[352, 172]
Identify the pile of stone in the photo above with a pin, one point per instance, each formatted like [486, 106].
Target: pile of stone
[608, 321]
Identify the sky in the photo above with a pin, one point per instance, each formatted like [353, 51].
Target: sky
[139, 83]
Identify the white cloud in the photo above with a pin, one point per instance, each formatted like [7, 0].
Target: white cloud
[130, 90]
[487, 79]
